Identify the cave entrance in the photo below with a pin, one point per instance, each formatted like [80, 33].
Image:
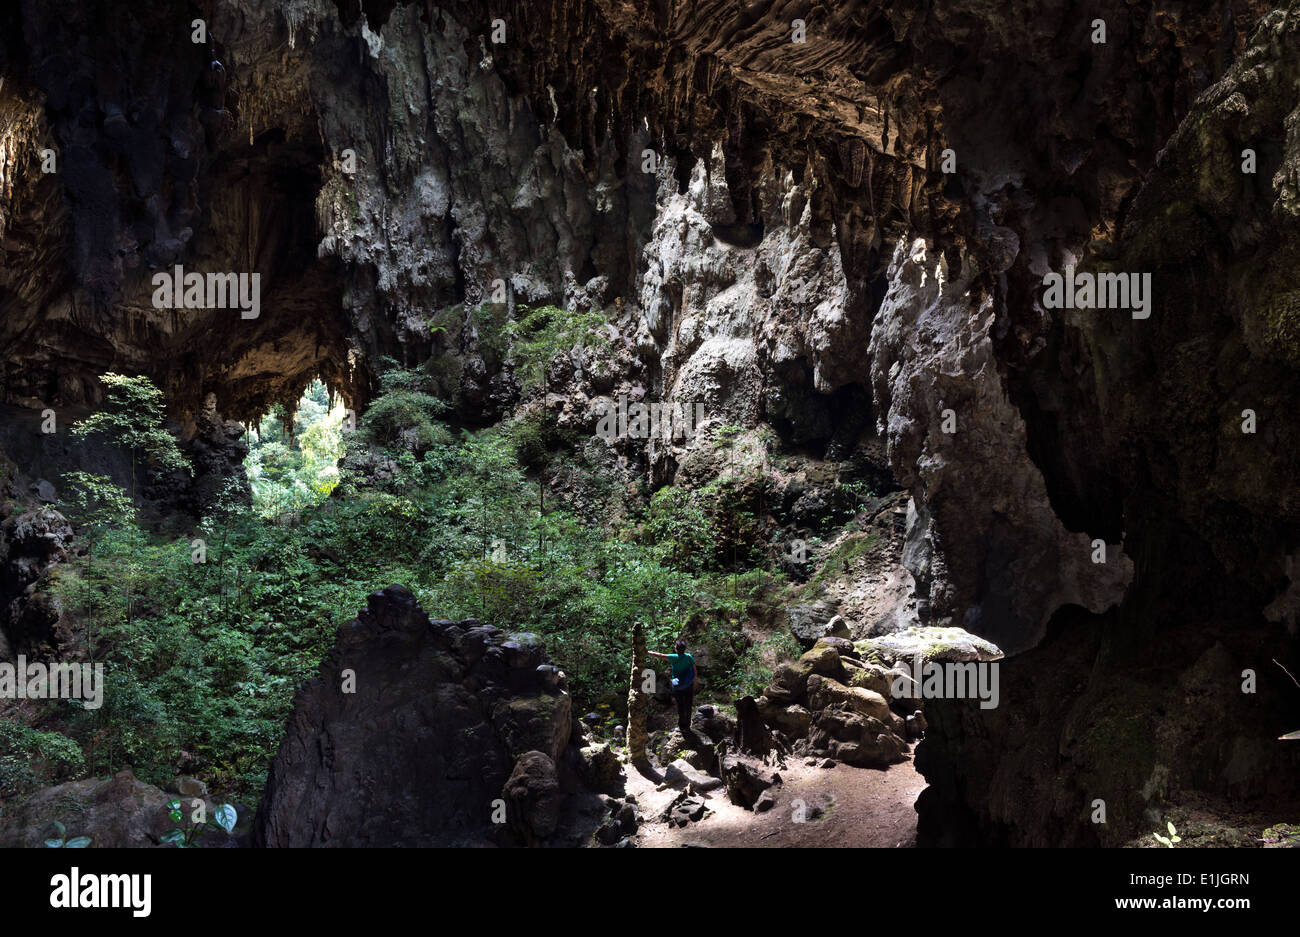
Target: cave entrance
[293, 453]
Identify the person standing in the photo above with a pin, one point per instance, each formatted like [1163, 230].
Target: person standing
[683, 665]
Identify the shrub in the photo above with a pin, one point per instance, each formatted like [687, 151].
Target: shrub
[30, 758]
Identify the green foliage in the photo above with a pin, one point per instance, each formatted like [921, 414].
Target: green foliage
[30, 758]
[60, 839]
[95, 504]
[205, 670]
[543, 333]
[293, 457]
[841, 559]
[133, 418]
[489, 324]
[202, 658]
[680, 521]
[1281, 836]
[187, 836]
[405, 414]
[755, 665]
[711, 528]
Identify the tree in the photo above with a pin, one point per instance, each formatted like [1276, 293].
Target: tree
[133, 418]
[97, 506]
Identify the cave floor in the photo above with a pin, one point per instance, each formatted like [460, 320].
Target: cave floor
[859, 807]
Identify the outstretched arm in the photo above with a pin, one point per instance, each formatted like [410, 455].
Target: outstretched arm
[657, 654]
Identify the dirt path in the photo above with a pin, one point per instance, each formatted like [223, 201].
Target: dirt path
[860, 807]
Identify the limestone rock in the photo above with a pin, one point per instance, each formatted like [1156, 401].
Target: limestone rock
[855, 739]
[683, 773]
[790, 679]
[601, 769]
[532, 795]
[792, 719]
[439, 722]
[824, 692]
[816, 620]
[929, 644]
[122, 812]
[746, 779]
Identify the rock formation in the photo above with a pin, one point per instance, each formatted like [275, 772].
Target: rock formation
[830, 702]
[636, 701]
[424, 732]
[795, 253]
[121, 812]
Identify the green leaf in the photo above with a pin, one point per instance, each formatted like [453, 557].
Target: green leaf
[59, 828]
[224, 816]
[173, 836]
[54, 843]
[1172, 831]
[77, 842]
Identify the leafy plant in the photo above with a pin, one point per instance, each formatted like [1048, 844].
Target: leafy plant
[543, 333]
[30, 758]
[60, 839]
[133, 418]
[187, 837]
[1169, 840]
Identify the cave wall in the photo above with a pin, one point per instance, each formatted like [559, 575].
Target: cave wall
[798, 239]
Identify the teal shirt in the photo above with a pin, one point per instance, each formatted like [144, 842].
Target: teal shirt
[683, 665]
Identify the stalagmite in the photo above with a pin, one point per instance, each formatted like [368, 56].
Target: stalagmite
[636, 704]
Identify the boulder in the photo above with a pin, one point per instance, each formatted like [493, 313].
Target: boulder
[791, 719]
[855, 739]
[915, 724]
[929, 644]
[550, 677]
[713, 723]
[686, 809]
[682, 773]
[843, 646]
[121, 812]
[752, 736]
[609, 833]
[628, 818]
[692, 748]
[824, 692]
[600, 768]
[532, 796]
[437, 726]
[524, 650]
[790, 679]
[837, 628]
[541, 721]
[188, 787]
[746, 779]
[814, 620]
[871, 677]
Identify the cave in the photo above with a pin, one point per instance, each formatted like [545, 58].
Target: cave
[432, 249]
